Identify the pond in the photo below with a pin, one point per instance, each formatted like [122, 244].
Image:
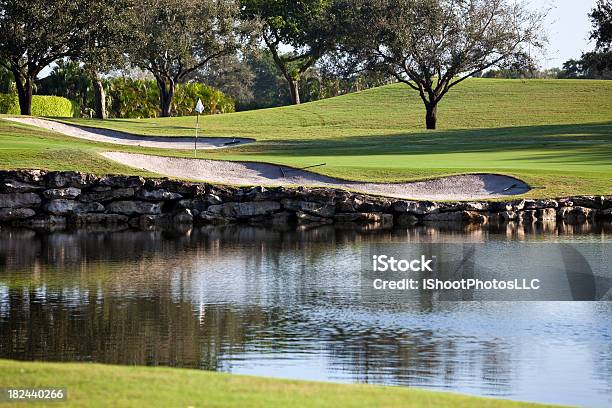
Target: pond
[290, 304]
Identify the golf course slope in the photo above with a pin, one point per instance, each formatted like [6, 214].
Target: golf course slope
[462, 187]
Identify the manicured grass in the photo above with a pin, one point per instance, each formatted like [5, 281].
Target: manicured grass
[554, 134]
[27, 147]
[95, 385]
[397, 110]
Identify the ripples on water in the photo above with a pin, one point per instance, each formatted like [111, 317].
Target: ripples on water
[288, 304]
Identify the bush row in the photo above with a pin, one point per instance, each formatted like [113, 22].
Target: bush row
[42, 105]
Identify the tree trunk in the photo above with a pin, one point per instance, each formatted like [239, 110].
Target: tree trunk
[294, 86]
[431, 116]
[99, 97]
[24, 92]
[166, 94]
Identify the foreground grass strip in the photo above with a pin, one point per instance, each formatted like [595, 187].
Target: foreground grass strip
[96, 385]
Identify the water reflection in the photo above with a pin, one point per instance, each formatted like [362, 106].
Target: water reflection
[288, 303]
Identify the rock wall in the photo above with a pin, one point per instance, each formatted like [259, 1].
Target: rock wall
[39, 199]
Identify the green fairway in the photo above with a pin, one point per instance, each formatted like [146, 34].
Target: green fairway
[96, 385]
[554, 134]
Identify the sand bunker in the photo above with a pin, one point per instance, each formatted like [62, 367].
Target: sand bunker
[116, 137]
[464, 187]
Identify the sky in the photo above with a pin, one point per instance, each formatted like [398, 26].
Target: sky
[568, 28]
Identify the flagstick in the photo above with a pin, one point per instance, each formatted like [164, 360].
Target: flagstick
[199, 108]
[195, 141]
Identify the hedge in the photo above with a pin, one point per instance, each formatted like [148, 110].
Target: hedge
[42, 105]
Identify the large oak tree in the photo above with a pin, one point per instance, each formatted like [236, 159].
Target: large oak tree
[303, 29]
[174, 38]
[106, 43]
[433, 45]
[34, 34]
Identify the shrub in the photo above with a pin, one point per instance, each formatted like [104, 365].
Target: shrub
[8, 102]
[137, 98]
[42, 105]
[187, 95]
[132, 98]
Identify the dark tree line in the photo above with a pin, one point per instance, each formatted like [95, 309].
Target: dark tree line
[430, 45]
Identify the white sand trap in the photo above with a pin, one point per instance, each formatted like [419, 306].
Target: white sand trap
[116, 137]
[464, 187]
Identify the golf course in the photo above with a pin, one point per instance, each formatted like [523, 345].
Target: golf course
[554, 135]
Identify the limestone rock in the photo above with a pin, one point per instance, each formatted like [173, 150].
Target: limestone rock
[122, 181]
[175, 186]
[158, 195]
[244, 210]
[26, 176]
[374, 204]
[63, 207]
[16, 186]
[11, 214]
[107, 194]
[540, 204]
[269, 193]
[134, 207]
[345, 206]
[313, 208]
[68, 193]
[467, 206]
[416, 207]
[589, 201]
[61, 179]
[456, 216]
[17, 200]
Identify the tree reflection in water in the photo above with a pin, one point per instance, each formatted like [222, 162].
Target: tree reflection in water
[222, 298]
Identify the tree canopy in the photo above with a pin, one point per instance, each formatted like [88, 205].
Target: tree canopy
[601, 19]
[174, 38]
[433, 45]
[307, 27]
[34, 34]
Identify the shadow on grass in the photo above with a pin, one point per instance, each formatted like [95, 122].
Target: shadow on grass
[588, 141]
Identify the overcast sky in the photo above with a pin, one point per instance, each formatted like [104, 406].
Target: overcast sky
[568, 29]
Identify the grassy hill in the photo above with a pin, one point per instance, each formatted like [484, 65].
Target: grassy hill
[554, 134]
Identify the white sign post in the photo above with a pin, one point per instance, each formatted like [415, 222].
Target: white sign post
[199, 108]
